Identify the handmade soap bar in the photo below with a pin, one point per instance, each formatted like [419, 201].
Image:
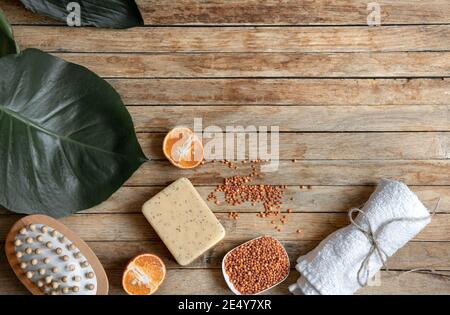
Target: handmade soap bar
[183, 221]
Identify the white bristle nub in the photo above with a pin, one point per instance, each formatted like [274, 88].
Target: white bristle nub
[72, 247]
[51, 261]
[90, 286]
[90, 275]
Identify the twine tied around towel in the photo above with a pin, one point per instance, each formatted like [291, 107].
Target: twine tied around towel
[375, 247]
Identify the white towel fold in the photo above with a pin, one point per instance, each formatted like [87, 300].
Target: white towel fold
[395, 215]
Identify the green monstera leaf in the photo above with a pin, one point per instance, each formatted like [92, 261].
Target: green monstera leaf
[67, 142]
[99, 13]
[7, 43]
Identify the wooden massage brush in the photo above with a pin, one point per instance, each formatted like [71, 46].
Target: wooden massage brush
[50, 259]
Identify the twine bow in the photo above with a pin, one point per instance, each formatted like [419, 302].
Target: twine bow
[375, 247]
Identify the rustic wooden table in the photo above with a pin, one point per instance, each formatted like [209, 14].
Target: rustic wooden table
[354, 104]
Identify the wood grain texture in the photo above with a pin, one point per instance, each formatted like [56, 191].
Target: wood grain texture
[210, 281]
[322, 172]
[293, 12]
[332, 146]
[134, 227]
[235, 39]
[308, 118]
[268, 12]
[348, 92]
[337, 146]
[315, 199]
[413, 255]
[311, 65]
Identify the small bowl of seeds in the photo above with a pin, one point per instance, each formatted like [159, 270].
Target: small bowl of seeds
[256, 266]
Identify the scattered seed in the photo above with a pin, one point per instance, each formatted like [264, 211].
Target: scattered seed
[238, 190]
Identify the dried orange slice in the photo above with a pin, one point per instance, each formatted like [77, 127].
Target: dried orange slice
[183, 148]
[144, 275]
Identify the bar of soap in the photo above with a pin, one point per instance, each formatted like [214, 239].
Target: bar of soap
[183, 221]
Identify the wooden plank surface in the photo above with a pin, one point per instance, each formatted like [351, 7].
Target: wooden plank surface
[354, 104]
[268, 12]
[356, 92]
[237, 65]
[210, 281]
[337, 146]
[314, 226]
[311, 172]
[236, 39]
[292, 12]
[299, 199]
[412, 256]
[308, 118]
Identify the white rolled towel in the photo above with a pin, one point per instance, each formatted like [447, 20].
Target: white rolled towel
[341, 264]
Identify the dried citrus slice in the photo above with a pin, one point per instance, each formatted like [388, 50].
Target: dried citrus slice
[183, 148]
[144, 275]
